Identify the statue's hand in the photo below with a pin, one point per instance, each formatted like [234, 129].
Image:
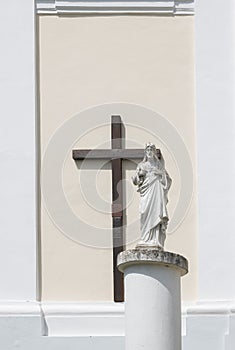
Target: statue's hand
[141, 173]
[136, 180]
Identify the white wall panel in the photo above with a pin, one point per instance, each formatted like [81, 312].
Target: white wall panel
[17, 151]
[215, 65]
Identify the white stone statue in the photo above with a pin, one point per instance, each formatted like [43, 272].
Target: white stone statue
[153, 184]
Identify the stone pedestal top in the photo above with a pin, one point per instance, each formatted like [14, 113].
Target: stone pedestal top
[152, 256]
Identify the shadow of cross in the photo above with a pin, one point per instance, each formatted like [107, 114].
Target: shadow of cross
[116, 155]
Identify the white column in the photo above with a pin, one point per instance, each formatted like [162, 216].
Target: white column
[215, 110]
[152, 298]
[17, 151]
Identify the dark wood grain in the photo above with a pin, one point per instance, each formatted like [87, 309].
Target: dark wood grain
[118, 247]
[108, 154]
[117, 143]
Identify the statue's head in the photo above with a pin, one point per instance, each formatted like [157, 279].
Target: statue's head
[150, 151]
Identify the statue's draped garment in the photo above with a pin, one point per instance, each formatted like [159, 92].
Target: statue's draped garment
[153, 201]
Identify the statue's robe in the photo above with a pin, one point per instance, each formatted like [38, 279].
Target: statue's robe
[153, 201]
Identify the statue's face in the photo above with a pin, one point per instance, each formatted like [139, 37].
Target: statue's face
[149, 152]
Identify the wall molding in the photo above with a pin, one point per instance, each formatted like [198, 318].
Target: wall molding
[19, 308]
[84, 319]
[27, 325]
[66, 7]
[106, 319]
[81, 319]
[208, 308]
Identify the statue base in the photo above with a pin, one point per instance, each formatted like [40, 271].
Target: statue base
[153, 298]
[149, 246]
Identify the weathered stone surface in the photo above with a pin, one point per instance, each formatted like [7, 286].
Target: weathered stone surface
[152, 256]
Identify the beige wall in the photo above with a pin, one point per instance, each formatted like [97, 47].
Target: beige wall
[89, 61]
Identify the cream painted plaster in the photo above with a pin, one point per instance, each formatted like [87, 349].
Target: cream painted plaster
[88, 61]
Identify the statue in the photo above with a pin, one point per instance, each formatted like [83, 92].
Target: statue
[153, 184]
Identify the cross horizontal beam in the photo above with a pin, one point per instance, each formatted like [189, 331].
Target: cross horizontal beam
[110, 154]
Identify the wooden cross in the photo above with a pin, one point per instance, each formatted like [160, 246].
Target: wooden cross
[116, 155]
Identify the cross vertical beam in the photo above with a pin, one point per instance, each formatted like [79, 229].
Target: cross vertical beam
[117, 134]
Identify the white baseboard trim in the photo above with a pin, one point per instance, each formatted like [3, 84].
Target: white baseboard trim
[19, 308]
[168, 7]
[84, 319]
[209, 308]
[101, 318]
